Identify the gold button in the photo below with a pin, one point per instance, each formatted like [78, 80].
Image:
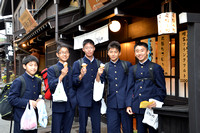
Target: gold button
[115, 71]
[115, 78]
[142, 80]
[140, 87]
[140, 94]
[34, 92]
[92, 76]
[116, 91]
[141, 66]
[34, 86]
[116, 85]
[114, 65]
[91, 69]
[141, 73]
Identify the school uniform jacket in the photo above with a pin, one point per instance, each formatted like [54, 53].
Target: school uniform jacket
[61, 107]
[117, 79]
[84, 87]
[143, 90]
[32, 92]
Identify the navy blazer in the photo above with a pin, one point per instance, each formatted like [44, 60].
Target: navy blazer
[67, 83]
[84, 88]
[117, 79]
[144, 90]
[32, 92]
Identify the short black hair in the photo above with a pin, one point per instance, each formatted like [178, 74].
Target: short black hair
[88, 41]
[141, 44]
[30, 58]
[114, 44]
[61, 46]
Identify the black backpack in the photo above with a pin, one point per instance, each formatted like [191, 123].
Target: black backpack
[125, 67]
[151, 66]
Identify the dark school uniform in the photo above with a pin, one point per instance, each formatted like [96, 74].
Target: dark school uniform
[84, 94]
[32, 92]
[116, 107]
[62, 112]
[143, 90]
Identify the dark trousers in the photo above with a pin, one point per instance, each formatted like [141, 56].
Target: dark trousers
[116, 117]
[95, 116]
[17, 129]
[62, 122]
[141, 127]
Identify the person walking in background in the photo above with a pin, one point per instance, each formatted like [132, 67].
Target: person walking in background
[62, 112]
[116, 75]
[83, 80]
[142, 87]
[31, 94]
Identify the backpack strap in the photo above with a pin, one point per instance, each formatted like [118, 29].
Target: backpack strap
[55, 67]
[98, 63]
[23, 88]
[134, 71]
[106, 76]
[80, 61]
[125, 66]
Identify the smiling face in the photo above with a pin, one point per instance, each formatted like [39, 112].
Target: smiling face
[141, 53]
[89, 49]
[63, 54]
[31, 67]
[114, 54]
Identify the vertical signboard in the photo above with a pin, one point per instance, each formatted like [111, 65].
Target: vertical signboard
[183, 53]
[163, 57]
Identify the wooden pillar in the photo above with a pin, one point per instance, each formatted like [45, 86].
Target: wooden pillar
[193, 21]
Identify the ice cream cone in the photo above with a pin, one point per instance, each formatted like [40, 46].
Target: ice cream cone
[65, 64]
[102, 65]
[84, 65]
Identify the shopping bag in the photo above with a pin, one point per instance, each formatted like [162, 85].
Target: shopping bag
[42, 113]
[103, 106]
[149, 117]
[59, 94]
[28, 120]
[98, 91]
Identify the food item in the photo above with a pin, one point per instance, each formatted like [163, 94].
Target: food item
[84, 65]
[102, 65]
[65, 64]
[144, 104]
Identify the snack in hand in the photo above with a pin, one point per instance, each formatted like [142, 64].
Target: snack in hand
[102, 65]
[144, 104]
[65, 64]
[84, 65]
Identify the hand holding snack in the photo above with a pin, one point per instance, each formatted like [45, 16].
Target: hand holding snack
[65, 64]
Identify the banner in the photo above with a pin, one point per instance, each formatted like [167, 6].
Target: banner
[183, 53]
[163, 57]
[99, 35]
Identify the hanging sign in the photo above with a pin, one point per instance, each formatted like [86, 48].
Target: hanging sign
[183, 53]
[163, 57]
[166, 23]
[99, 35]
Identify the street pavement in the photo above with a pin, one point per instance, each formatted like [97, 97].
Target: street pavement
[5, 125]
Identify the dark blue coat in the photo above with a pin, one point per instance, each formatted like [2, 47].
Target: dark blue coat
[67, 83]
[85, 86]
[117, 79]
[32, 92]
[144, 90]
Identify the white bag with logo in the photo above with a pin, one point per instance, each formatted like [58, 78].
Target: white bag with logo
[42, 113]
[98, 91]
[149, 117]
[59, 94]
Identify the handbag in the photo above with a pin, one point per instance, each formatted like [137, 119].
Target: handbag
[98, 91]
[59, 94]
[28, 120]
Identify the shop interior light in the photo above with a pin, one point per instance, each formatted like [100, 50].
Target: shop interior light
[114, 26]
[23, 45]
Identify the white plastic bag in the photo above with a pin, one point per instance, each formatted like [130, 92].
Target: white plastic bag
[42, 113]
[59, 94]
[103, 106]
[28, 120]
[98, 91]
[149, 117]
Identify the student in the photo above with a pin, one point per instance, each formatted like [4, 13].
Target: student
[31, 94]
[142, 87]
[62, 112]
[117, 78]
[83, 79]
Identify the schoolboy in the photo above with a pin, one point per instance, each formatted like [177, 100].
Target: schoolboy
[141, 87]
[117, 79]
[83, 80]
[31, 94]
[62, 112]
